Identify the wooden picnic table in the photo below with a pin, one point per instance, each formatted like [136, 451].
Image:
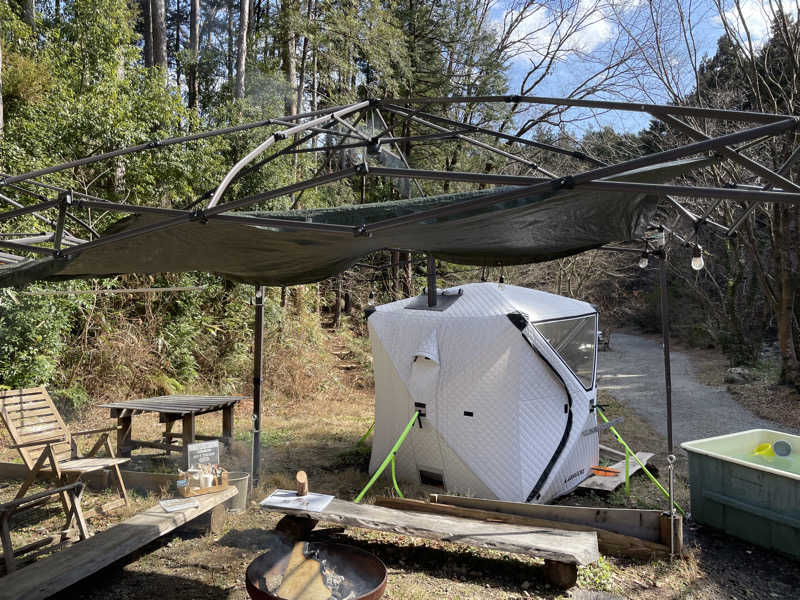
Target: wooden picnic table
[171, 409]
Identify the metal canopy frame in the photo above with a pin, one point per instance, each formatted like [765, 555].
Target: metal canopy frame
[54, 206]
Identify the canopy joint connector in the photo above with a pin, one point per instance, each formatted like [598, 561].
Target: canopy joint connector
[361, 231]
[363, 168]
[199, 214]
[279, 135]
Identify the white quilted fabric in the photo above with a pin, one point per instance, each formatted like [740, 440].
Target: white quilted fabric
[495, 409]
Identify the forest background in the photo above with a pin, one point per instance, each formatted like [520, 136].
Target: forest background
[82, 77]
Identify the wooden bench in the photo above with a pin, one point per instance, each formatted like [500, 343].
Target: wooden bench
[562, 550]
[54, 573]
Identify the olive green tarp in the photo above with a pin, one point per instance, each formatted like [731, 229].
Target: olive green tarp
[539, 227]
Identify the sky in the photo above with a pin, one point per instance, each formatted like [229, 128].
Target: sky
[596, 31]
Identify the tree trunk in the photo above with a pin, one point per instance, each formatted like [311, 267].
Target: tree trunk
[304, 55]
[159, 19]
[177, 52]
[147, 23]
[229, 53]
[288, 53]
[28, 12]
[408, 287]
[194, 43]
[241, 48]
[395, 273]
[337, 309]
[1, 93]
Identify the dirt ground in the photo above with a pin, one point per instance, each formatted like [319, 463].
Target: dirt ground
[320, 436]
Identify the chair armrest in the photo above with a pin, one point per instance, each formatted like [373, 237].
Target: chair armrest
[43, 442]
[98, 430]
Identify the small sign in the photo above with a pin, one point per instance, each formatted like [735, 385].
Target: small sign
[203, 453]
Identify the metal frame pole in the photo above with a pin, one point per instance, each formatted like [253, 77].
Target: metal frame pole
[431, 280]
[665, 333]
[258, 371]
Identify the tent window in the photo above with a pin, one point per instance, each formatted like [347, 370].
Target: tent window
[574, 340]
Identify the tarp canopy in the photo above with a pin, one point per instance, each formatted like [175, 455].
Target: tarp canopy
[539, 227]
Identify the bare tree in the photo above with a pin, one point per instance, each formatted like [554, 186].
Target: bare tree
[241, 48]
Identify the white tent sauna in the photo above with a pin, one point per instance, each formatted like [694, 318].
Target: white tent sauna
[504, 377]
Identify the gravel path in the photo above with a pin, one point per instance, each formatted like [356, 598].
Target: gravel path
[633, 372]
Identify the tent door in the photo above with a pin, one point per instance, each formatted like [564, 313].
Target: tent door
[423, 384]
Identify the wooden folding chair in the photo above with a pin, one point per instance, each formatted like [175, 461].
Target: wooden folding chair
[46, 445]
[70, 496]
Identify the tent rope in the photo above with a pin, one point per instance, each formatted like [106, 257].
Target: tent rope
[630, 452]
[390, 458]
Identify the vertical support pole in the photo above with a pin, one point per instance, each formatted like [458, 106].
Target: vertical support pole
[188, 437]
[64, 199]
[665, 331]
[431, 280]
[258, 370]
[124, 434]
[227, 425]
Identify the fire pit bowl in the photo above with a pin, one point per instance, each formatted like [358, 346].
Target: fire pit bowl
[349, 572]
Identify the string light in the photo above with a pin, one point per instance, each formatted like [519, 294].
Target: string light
[643, 262]
[697, 258]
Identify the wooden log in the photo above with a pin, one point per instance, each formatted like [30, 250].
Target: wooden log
[54, 573]
[643, 524]
[578, 547]
[608, 542]
[302, 483]
[211, 523]
[677, 532]
[296, 527]
[560, 574]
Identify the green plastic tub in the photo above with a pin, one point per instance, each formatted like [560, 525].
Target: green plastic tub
[752, 495]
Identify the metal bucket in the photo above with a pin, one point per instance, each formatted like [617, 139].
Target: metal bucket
[241, 480]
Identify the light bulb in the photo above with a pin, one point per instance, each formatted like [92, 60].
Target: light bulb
[643, 262]
[371, 299]
[697, 258]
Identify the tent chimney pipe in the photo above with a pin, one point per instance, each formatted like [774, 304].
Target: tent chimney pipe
[258, 370]
[431, 280]
[665, 332]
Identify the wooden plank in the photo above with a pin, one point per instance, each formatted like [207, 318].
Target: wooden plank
[574, 547]
[611, 451]
[156, 445]
[608, 542]
[609, 484]
[54, 573]
[643, 524]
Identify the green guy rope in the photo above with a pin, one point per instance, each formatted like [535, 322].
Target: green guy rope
[641, 464]
[366, 435]
[389, 459]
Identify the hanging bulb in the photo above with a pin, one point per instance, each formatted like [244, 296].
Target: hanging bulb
[502, 279]
[371, 297]
[697, 258]
[643, 262]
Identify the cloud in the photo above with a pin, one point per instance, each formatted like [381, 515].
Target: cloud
[755, 14]
[574, 26]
